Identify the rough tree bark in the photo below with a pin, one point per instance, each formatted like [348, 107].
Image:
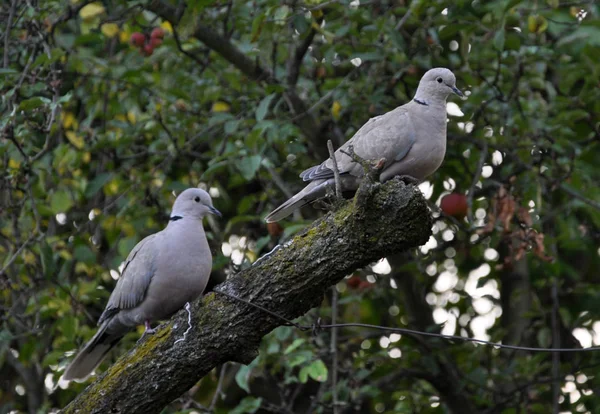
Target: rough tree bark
[381, 220]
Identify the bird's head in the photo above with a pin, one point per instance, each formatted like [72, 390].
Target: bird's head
[194, 203]
[437, 84]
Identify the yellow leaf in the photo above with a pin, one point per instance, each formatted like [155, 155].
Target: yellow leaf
[317, 13]
[167, 26]
[112, 188]
[109, 29]
[220, 106]
[75, 139]
[13, 164]
[128, 229]
[65, 254]
[87, 157]
[131, 117]
[537, 23]
[124, 36]
[90, 11]
[28, 257]
[574, 11]
[336, 107]
[69, 121]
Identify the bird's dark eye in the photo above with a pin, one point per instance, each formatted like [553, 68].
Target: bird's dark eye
[439, 80]
[197, 199]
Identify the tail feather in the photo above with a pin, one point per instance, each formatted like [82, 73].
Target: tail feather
[91, 355]
[308, 194]
[285, 209]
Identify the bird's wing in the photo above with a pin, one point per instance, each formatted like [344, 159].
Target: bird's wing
[389, 136]
[131, 287]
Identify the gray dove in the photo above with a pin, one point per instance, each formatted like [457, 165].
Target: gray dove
[162, 273]
[411, 139]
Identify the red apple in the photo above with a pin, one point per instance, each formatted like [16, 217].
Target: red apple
[137, 39]
[454, 205]
[155, 42]
[147, 50]
[353, 282]
[157, 33]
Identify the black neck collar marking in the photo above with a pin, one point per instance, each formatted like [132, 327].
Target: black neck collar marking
[421, 102]
[175, 218]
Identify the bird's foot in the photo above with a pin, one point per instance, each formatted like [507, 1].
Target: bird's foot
[407, 179]
[149, 330]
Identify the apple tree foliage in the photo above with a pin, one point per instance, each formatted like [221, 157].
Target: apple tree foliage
[97, 134]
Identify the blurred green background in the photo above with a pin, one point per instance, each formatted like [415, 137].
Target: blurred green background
[97, 134]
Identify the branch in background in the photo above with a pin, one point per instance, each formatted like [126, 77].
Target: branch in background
[476, 178]
[297, 56]
[290, 282]
[251, 68]
[447, 378]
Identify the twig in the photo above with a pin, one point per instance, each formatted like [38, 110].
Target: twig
[295, 60]
[279, 181]
[403, 20]
[579, 196]
[336, 171]
[218, 391]
[555, 343]
[16, 254]
[333, 345]
[476, 178]
[13, 6]
[324, 98]
[372, 169]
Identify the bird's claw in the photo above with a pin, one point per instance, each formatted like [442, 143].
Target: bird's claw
[149, 331]
[407, 179]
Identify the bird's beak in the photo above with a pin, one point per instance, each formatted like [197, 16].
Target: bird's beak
[457, 91]
[215, 211]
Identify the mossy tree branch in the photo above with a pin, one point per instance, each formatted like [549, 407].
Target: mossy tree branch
[384, 219]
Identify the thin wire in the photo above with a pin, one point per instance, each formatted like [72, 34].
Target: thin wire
[317, 326]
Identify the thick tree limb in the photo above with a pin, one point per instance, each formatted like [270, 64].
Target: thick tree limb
[290, 282]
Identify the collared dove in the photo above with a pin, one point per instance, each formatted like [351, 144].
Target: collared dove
[411, 139]
[163, 272]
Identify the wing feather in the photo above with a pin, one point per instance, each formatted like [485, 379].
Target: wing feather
[389, 136]
[131, 287]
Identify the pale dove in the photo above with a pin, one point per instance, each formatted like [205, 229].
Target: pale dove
[411, 139]
[163, 272]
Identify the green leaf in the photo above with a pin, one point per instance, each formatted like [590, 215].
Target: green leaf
[47, 258]
[60, 202]
[33, 103]
[544, 337]
[316, 370]
[243, 375]
[281, 15]
[126, 245]
[499, 40]
[297, 342]
[248, 166]
[83, 253]
[263, 107]
[247, 405]
[97, 183]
